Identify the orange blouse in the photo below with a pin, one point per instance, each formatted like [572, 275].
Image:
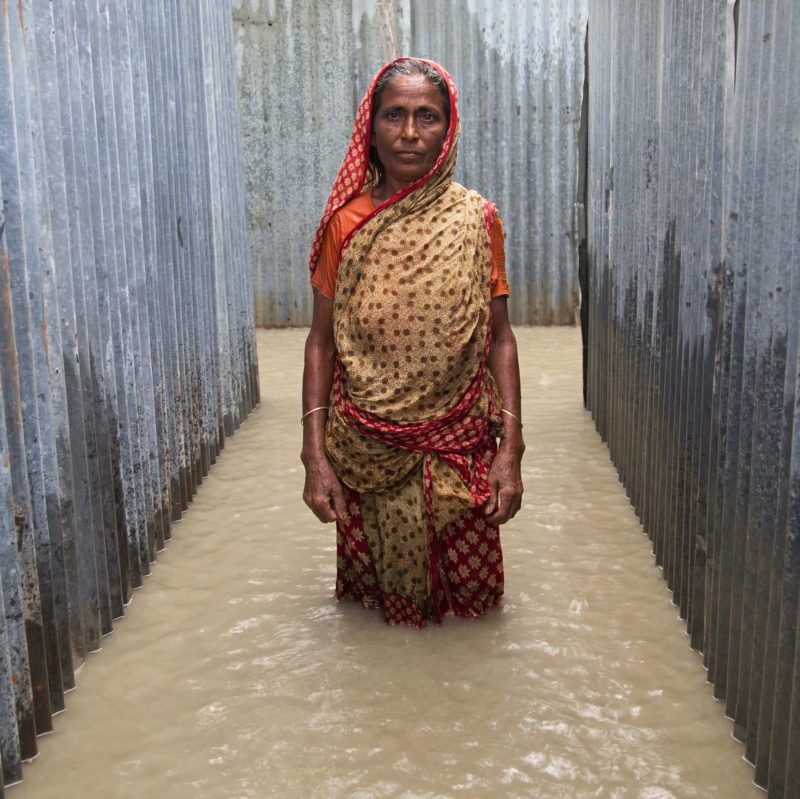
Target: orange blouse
[344, 221]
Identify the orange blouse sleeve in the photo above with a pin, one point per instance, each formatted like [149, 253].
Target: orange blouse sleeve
[341, 225]
[324, 277]
[499, 280]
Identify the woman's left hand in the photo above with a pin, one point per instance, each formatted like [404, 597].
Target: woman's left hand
[505, 473]
[505, 485]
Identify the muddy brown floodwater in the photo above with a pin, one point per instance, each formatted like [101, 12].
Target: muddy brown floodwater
[235, 674]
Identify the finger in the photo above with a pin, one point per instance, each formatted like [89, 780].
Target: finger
[323, 510]
[499, 515]
[327, 513]
[311, 503]
[339, 504]
[514, 507]
[507, 505]
[490, 506]
[321, 507]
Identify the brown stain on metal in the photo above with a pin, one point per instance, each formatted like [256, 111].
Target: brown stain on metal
[8, 324]
[19, 524]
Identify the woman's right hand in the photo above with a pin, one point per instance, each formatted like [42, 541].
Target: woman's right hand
[323, 492]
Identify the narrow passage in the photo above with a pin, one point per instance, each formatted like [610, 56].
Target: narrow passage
[236, 675]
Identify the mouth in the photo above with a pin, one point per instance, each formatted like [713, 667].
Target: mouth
[409, 154]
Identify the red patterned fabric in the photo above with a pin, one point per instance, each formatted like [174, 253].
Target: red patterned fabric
[468, 564]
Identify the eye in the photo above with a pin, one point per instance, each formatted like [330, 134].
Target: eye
[428, 116]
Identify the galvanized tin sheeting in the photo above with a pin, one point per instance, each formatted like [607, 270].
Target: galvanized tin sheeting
[126, 324]
[519, 68]
[302, 67]
[694, 304]
[296, 115]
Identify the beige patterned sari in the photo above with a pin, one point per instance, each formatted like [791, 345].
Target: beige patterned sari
[413, 419]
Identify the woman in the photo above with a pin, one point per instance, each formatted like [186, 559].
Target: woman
[409, 354]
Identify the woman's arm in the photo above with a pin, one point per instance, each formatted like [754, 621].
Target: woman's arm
[323, 492]
[505, 474]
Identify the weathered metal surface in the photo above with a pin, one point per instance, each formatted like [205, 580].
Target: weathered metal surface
[519, 67]
[127, 350]
[296, 111]
[694, 317]
[302, 68]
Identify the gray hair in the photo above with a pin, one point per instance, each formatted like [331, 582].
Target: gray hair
[412, 66]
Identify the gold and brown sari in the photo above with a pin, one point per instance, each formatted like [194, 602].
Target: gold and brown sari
[414, 409]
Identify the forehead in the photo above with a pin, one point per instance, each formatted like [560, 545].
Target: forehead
[412, 90]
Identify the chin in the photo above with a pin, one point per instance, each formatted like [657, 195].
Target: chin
[411, 177]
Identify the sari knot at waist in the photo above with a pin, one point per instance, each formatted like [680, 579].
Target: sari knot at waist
[371, 453]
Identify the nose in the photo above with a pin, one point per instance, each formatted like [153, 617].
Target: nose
[409, 130]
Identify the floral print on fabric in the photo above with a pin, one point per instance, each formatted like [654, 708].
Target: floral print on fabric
[470, 571]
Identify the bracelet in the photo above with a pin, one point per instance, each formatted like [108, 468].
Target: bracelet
[313, 410]
[512, 415]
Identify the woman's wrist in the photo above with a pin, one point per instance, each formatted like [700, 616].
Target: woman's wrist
[511, 440]
[313, 449]
[511, 416]
[311, 454]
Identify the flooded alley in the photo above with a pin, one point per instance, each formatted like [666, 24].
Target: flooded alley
[235, 673]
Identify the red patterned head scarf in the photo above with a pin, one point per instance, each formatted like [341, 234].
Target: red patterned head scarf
[352, 175]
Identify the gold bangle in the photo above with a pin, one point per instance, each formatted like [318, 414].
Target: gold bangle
[512, 415]
[313, 410]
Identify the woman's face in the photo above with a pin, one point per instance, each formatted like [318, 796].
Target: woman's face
[409, 129]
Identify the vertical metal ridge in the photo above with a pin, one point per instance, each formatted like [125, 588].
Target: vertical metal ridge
[126, 318]
[694, 315]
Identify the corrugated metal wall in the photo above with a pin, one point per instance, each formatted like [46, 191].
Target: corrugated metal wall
[519, 66]
[694, 374]
[126, 325]
[302, 67]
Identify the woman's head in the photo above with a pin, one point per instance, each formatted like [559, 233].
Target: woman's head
[362, 166]
[412, 66]
[410, 119]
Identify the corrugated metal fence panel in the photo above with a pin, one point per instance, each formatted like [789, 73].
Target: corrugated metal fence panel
[126, 321]
[694, 303]
[519, 67]
[294, 66]
[302, 67]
